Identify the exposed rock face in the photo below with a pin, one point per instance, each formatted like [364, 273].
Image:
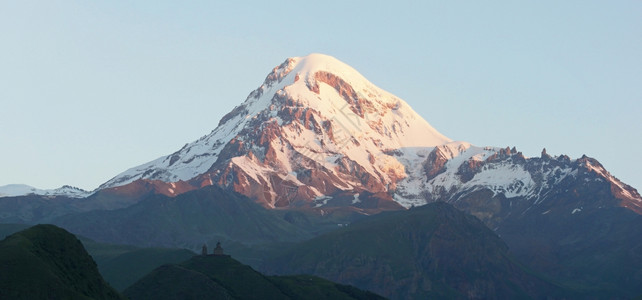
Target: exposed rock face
[435, 164]
[142, 187]
[357, 104]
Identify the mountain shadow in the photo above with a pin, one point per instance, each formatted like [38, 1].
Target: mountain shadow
[122, 265]
[433, 251]
[597, 251]
[187, 220]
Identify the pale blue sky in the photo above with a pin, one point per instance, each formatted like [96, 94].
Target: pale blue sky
[91, 88]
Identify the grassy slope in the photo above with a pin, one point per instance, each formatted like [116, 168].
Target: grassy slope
[47, 262]
[224, 277]
[176, 282]
[312, 287]
[120, 265]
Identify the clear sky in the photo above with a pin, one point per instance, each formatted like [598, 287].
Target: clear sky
[89, 89]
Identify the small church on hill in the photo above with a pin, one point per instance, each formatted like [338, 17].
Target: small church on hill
[218, 251]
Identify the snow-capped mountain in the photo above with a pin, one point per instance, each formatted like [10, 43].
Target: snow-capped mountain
[317, 133]
[314, 128]
[12, 190]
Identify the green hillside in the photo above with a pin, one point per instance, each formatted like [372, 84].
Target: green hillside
[47, 262]
[120, 265]
[222, 277]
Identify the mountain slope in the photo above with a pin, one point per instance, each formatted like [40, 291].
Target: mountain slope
[221, 277]
[434, 251]
[46, 262]
[33, 209]
[591, 246]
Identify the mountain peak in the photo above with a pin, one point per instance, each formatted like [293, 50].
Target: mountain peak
[315, 62]
[311, 64]
[338, 92]
[317, 68]
[309, 110]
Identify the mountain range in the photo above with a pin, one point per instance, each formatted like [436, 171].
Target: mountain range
[317, 133]
[317, 147]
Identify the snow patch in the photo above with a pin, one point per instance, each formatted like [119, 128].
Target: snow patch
[356, 199]
[321, 201]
